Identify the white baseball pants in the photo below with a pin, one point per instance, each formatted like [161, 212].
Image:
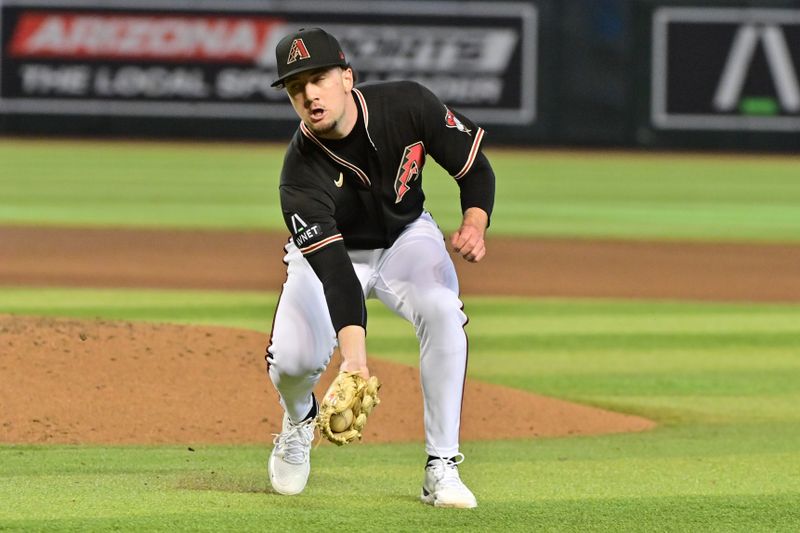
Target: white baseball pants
[416, 279]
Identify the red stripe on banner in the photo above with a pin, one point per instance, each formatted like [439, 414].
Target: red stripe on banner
[142, 37]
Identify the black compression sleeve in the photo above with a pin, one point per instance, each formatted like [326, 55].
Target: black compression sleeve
[477, 186]
[342, 289]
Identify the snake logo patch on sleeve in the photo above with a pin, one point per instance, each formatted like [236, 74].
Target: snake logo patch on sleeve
[452, 121]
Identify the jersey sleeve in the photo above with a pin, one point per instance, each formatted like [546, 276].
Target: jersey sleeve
[342, 289]
[451, 138]
[309, 217]
[454, 141]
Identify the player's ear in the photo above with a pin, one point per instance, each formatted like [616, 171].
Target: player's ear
[348, 78]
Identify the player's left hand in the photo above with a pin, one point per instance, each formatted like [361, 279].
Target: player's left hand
[468, 241]
[353, 349]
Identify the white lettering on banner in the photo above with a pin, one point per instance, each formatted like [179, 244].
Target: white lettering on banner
[434, 49]
[380, 48]
[124, 36]
[235, 83]
[150, 82]
[44, 79]
[464, 90]
[487, 90]
[143, 59]
[740, 58]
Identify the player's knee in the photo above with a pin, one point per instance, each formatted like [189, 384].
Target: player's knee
[289, 371]
[439, 307]
[297, 364]
[289, 378]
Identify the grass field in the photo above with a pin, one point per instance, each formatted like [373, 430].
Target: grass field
[557, 194]
[722, 380]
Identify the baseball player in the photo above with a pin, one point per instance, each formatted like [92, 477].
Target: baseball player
[351, 195]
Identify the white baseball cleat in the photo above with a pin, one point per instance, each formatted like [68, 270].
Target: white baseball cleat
[443, 486]
[290, 460]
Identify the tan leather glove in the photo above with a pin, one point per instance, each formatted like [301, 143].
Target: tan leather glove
[345, 407]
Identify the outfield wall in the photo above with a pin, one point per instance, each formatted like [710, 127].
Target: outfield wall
[647, 73]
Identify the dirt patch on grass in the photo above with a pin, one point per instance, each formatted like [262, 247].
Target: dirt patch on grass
[106, 382]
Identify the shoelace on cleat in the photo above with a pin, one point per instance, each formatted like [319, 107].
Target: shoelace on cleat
[295, 443]
[446, 471]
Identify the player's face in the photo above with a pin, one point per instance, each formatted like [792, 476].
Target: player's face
[320, 99]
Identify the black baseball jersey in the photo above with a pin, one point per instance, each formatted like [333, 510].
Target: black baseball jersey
[362, 191]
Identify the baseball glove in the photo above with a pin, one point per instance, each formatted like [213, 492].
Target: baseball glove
[346, 406]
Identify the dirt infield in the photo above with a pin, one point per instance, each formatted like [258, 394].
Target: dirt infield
[70, 381]
[523, 267]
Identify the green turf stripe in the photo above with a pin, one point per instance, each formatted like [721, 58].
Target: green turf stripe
[553, 194]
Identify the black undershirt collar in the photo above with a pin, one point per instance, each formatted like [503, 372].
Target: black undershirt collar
[355, 147]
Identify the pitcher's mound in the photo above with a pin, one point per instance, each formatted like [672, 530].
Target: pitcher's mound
[105, 382]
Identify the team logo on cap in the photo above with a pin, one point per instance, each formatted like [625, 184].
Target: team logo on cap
[298, 51]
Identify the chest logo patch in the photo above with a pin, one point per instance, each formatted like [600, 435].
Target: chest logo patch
[410, 167]
[340, 181]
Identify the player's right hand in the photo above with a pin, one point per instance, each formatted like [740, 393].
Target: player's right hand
[468, 241]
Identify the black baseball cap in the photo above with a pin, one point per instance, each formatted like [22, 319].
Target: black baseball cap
[306, 49]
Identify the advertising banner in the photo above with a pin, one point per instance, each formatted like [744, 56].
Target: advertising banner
[726, 69]
[216, 58]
